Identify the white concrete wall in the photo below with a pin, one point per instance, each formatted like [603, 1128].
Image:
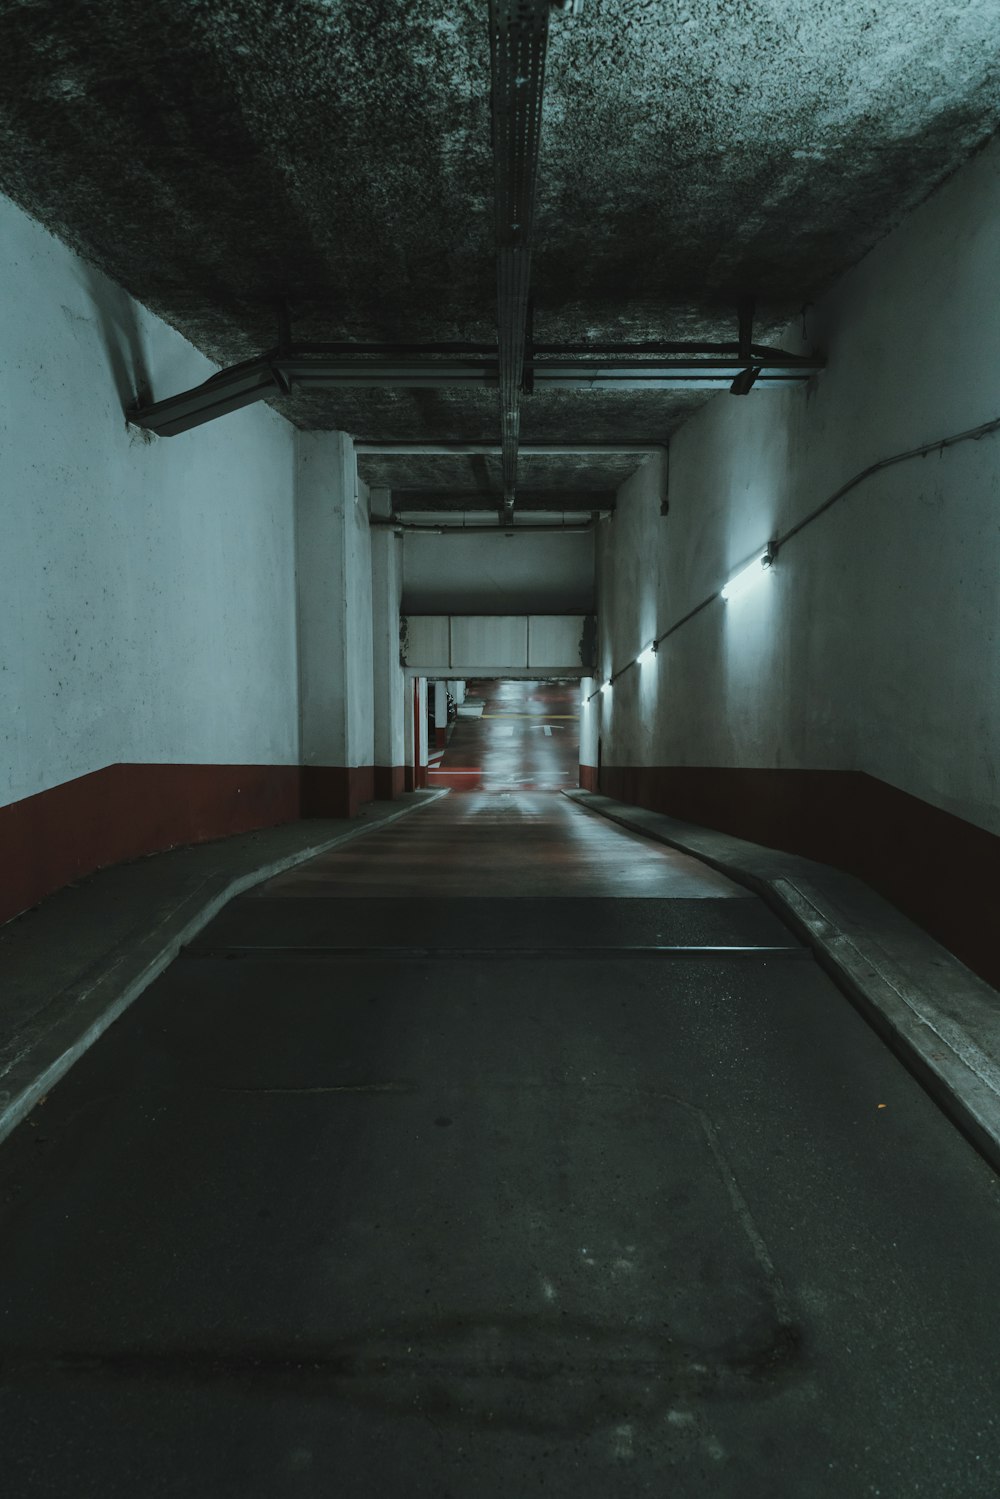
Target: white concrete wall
[498, 574]
[589, 722]
[872, 644]
[440, 704]
[334, 603]
[420, 725]
[633, 605]
[146, 588]
[495, 644]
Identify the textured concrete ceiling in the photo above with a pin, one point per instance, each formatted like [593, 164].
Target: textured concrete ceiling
[215, 156]
[479, 479]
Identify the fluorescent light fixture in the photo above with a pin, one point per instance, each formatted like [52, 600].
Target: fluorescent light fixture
[749, 576]
[647, 655]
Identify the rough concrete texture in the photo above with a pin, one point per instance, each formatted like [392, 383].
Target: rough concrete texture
[71, 966]
[147, 601]
[937, 1015]
[561, 507]
[216, 158]
[334, 580]
[871, 645]
[331, 1213]
[480, 475]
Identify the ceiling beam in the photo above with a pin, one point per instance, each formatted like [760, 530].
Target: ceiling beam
[565, 501]
[279, 374]
[519, 33]
[370, 448]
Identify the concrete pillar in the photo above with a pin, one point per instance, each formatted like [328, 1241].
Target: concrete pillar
[415, 732]
[589, 729]
[334, 568]
[420, 732]
[388, 681]
[440, 714]
[458, 693]
[409, 734]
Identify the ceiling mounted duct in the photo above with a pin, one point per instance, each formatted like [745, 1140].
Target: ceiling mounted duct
[519, 33]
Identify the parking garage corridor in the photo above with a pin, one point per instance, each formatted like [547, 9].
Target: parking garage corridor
[500, 1152]
[512, 734]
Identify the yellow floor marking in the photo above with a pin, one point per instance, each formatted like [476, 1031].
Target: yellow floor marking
[539, 716]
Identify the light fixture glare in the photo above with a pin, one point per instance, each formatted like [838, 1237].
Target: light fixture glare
[646, 655]
[749, 575]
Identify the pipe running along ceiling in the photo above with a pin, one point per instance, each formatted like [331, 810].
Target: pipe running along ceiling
[221, 163]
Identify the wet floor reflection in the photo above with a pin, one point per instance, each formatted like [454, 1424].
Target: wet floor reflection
[527, 739]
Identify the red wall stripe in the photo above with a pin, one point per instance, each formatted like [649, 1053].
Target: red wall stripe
[124, 812]
[942, 871]
[390, 782]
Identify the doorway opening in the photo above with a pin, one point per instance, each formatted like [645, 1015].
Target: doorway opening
[510, 735]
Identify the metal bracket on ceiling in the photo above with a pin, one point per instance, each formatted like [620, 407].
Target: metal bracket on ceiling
[649, 366]
[748, 376]
[284, 348]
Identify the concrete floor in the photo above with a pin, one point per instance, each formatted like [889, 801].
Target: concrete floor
[528, 739]
[500, 1153]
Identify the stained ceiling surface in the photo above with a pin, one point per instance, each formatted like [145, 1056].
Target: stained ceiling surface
[218, 157]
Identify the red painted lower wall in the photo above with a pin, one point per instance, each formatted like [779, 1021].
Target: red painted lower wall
[336, 790]
[390, 782]
[123, 812]
[942, 871]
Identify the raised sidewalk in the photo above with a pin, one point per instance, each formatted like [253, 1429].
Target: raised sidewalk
[938, 1016]
[69, 967]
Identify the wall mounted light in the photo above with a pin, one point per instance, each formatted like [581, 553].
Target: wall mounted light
[647, 655]
[750, 575]
[606, 687]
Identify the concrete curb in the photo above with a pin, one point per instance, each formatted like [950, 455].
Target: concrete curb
[939, 1017]
[77, 1015]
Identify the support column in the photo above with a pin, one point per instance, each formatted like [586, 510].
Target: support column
[334, 570]
[416, 733]
[389, 683]
[440, 714]
[589, 729]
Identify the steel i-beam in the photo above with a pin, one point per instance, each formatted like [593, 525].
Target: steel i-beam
[519, 31]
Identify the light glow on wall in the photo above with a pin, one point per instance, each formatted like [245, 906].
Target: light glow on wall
[749, 576]
[649, 654]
